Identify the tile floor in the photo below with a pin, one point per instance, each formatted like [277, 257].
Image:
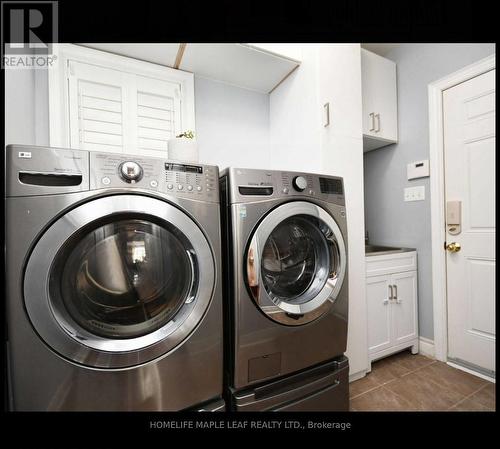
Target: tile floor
[406, 382]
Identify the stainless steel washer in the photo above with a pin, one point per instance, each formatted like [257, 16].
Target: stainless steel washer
[113, 281]
[286, 295]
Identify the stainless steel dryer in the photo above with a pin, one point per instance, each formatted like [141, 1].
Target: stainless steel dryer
[286, 294]
[113, 282]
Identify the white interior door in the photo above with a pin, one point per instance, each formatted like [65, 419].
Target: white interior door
[469, 142]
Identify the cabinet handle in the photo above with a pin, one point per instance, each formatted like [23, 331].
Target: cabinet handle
[398, 301]
[378, 123]
[326, 107]
[391, 294]
[372, 115]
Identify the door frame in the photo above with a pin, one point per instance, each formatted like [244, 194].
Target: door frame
[437, 190]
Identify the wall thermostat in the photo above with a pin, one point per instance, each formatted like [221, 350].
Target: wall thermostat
[417, 169]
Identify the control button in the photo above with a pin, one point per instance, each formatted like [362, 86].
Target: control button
[153, 183]
[285, 190]
[105, 180]
[311, 192]
[130, 171]
[170, 186]
[299, 183]
[198, 188]
[180, 186]
[190, 188]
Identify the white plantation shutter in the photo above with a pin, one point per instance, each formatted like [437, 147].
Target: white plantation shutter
[114, 111]
[96, 106]
[158, 114]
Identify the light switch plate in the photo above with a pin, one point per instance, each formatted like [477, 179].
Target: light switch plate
[417, 169]
[414, 193]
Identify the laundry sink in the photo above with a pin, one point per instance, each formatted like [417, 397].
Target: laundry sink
[372, 250]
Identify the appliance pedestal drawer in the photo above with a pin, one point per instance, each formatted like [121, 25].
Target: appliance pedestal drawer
[322, 388]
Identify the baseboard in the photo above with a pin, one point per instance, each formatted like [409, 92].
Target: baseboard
[356, 376]
[474, 373]
[426, 347]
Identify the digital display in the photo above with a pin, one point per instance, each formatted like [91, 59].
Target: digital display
[183, 168]
[331, 186]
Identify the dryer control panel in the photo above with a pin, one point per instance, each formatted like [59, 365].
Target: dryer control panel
[250, 185]
[187, 180]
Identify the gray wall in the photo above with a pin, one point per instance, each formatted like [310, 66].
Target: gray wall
[232, 125]
[388, 218]
[20, 106]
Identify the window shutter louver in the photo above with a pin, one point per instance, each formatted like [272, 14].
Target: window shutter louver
[113, 111]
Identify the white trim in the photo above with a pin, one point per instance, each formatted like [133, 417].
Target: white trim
[40, 108]
[470, 371]
[437, 190]
[356, 376]
[58, 103]
[411, 344]
[426, 347]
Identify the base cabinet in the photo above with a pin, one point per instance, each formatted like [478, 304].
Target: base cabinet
[392, 309]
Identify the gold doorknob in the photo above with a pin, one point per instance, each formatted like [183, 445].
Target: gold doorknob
[453, 247]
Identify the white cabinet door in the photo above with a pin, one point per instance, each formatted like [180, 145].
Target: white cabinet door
[379, 90]
[368, 90]
[404, 307]
[378, 313]
[339, 93]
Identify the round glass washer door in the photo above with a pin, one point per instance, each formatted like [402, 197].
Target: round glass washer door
[124, 279]
[296, 263]
[111, 285]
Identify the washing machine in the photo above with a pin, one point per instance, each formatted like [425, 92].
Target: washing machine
[113, 282]
[286, 292]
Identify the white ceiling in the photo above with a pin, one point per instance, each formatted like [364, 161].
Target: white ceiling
[380, 49]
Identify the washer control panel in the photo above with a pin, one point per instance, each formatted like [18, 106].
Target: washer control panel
[249, 185]
[197, 181]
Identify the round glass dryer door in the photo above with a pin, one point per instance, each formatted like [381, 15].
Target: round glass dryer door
[110, 285]
[296, 263]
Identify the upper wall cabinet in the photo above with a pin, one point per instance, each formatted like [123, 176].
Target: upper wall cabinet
[380, 103]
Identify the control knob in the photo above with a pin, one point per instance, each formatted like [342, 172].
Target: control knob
[299, 183]
[130, 171]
